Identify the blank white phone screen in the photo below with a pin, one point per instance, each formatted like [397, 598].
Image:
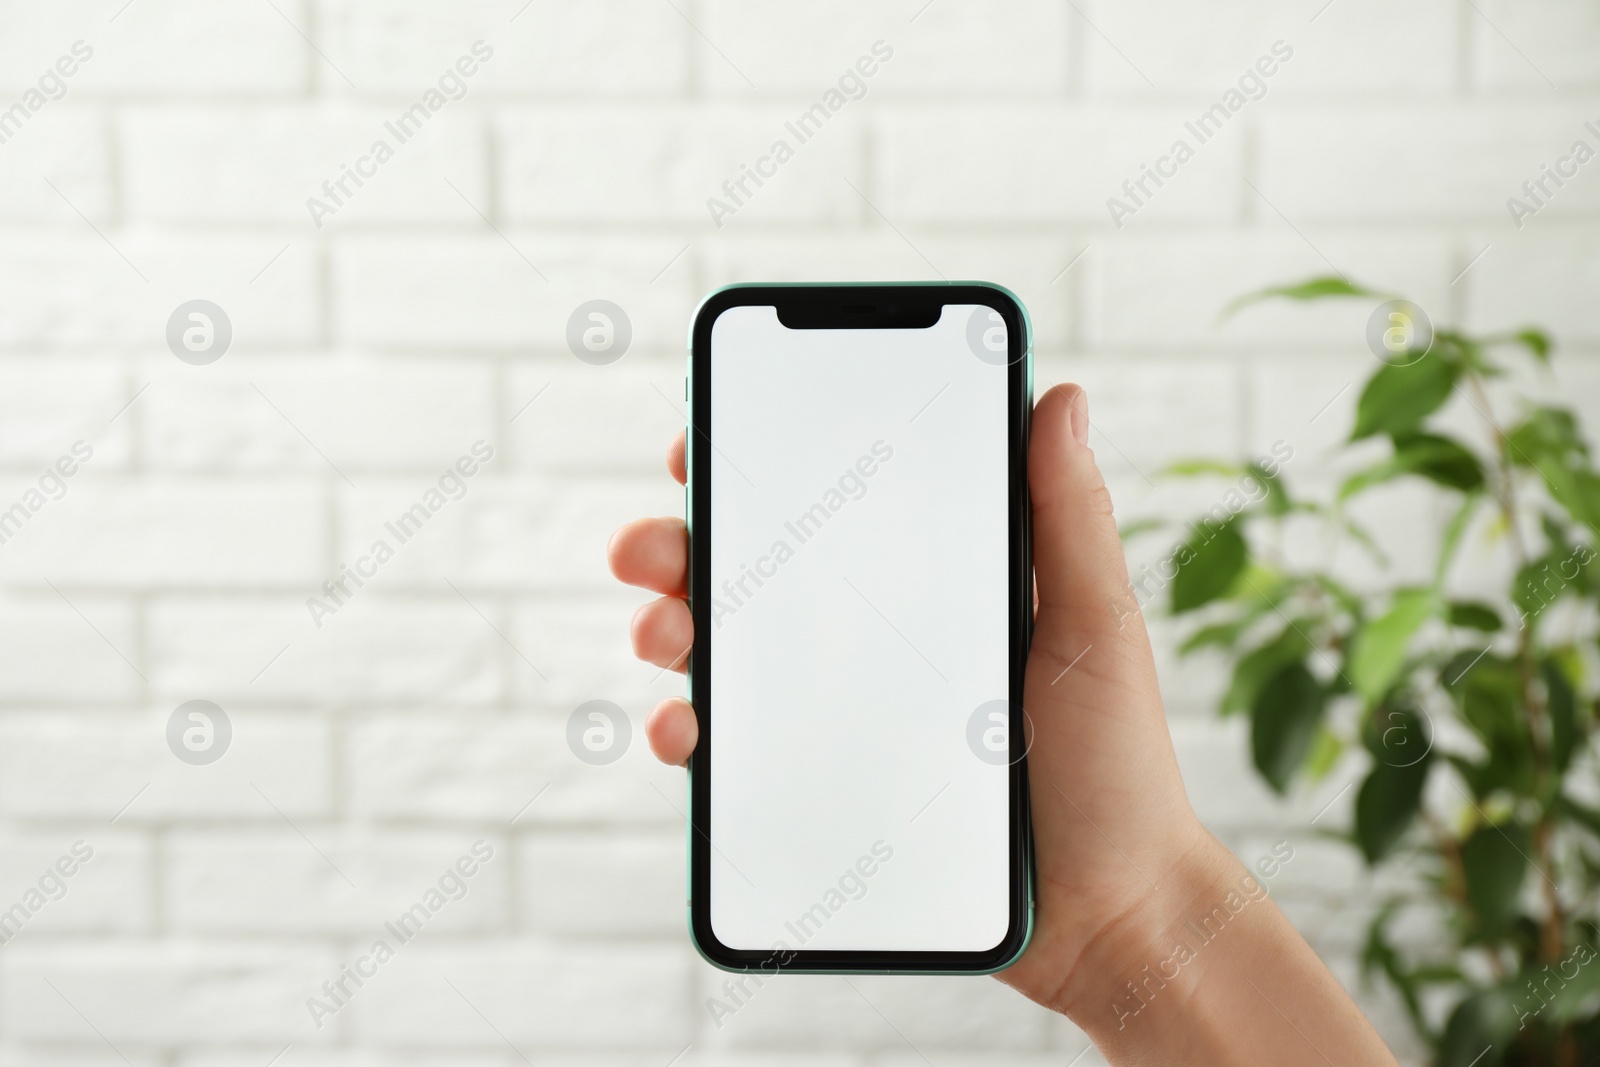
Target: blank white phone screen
[859, 572]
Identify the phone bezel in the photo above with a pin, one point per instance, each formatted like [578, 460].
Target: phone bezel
[866, 305]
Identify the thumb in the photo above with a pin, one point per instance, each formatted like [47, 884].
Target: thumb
[1077, 553]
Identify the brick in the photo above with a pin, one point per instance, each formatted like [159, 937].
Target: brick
[361, 413]
[460, 766]
[52, 403]
[617, 418]
[480, 291]
[409, 327]
[1008, 48]
[272, 881]
[263, 164]
[504, 768]
[137, 534]
[109, 893]
[560, 524]
[652, 163]
[608, 48]
[536, 996]
[97, 765]
[1147, 413]
[1539, 276]
[348, 1057]
[1035, 165]
[629, 885]
[1517, 46]
[1360, 46]
[65, 145]
[50, 654]
[879, 1014]
[57, 1056]
[582, 645]
[1035, 268]
[1309, 403]
[1149, 291]
[188, 46]
[77, 290]
[254, 650]
[1424, 162]
[1572, 381]
[162, 993]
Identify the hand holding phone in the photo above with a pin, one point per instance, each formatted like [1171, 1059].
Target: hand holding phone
[1111, 821]
[1122, 862]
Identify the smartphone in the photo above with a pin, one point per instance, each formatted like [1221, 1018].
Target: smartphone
[860, 582]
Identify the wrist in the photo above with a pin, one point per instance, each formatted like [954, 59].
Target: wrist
[1206, 970]
[1154, 948]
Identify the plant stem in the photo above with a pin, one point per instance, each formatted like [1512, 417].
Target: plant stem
[1552, 930]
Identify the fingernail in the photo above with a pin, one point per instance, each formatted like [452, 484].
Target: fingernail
[1079, 418]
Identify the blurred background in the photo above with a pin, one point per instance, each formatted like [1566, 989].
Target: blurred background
[364, 340]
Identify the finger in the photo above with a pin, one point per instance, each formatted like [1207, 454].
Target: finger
[1090, 647]
[675, 462]
[652, 554]
[1077, 554]
[672, 731]
[663, 632]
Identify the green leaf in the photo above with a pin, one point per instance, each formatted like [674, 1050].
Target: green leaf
[1549, 578]
[1218, 635]
[1480, 1029]
[1253, 669]
[1586, 817]
[1311, 289]
[1576, 490]
[1277, 499]
[1442, 460]
[1283, 723]
[1260, 588]
[1341, 594]
[1386, 804]
[1561, 708]
[1554, 532]
[1438, 459]
[1380, 646]
[1453, 534]
[1139, 526]
[1547, 431]
[1189, 468]
[1474, 615]
[1465, 352]
[1208, 565]
[1536, 342]
[1398, 732]
[1325, 753]
[1488, 690]
[1575, 997]
[1548, 441]
[1397, 399]
[1495, 862]
[1257, 592]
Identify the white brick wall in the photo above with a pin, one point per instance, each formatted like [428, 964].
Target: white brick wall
[372, 351]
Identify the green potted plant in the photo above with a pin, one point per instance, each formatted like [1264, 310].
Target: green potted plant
[1471, 718]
